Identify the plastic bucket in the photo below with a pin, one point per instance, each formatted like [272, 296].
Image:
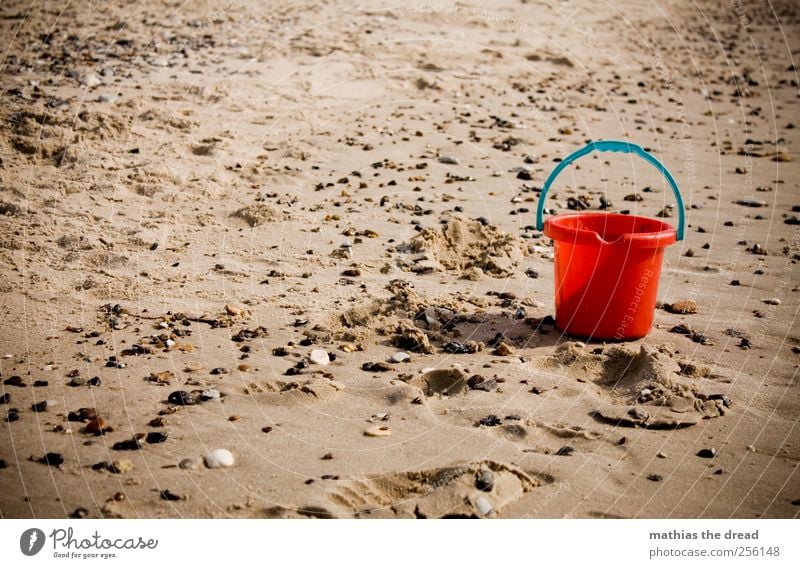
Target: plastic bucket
[607, 265]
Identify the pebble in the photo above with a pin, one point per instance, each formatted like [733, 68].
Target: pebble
[491, 420]
[218, 458]
[682, 307]
[378, 431]
[661, 455]
[449, 160]
[485, 480]
[483, 505]
[106, 98]
[772, 301]
[707, 453]
[181, 398]
[90, 81]
[750, 203]
[210, 394]
[565, 451]
[319, 357]
[156, 437]
[97, 426]
[655, 477]
[189, 463]
[399, 357]
[503, 350]
[168, 495]
[43, 405]
[379, 367]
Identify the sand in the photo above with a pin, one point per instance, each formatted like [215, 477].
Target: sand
[195, 197]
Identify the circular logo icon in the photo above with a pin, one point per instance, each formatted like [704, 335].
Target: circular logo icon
[31, 541]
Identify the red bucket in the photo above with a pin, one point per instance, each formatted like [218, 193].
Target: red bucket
[607, 265]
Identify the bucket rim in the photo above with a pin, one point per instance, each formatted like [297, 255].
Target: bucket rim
[653, 239]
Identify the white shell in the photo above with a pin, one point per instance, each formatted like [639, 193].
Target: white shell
[219, 458]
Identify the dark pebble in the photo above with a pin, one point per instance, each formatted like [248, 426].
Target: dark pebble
[707, 453]
[5, 399]
[39, 406]
[182, 398]
[15, 381]
[655, 477]
[168, 495]
[3, 464]
[565, 451]
[219, 371]
[134, 443]
[12, 415]
[266, 429]
[79, 513]
[40, 383]
[378, 367]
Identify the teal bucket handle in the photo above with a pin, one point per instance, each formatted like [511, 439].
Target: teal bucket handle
[612, 146]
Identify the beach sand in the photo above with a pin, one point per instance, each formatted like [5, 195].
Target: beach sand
[197, 196]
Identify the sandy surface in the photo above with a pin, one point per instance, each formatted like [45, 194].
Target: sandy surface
[197, 196]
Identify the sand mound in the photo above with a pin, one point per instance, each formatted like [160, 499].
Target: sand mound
[463, 246]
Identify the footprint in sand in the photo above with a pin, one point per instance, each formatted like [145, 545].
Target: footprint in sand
[470, 490]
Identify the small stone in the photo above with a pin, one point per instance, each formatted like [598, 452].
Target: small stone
[655, 477]
[750, 203]
[399, 357]
[97, 426]
[189, 463]
[210, 394]
[52, 458]
[772, 301]
[682, 307]
[449, 160]
[661, 455]
[266, 429]
[156, 437]
[378, 431]
[244, 368]
[77, 382]
[483, 505]
[707, 453]
[218, 458]
[5, 399]
[379, 367]
[79, 513]
[181, 398]
[319, 357]
[565, 451]
[168, 495]
[42, 406]
[751, 448]
[328, 456]
[131, 444]
[491, 420]
[233, 310]
[121, 466]
[503, 350]
[485, 480]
